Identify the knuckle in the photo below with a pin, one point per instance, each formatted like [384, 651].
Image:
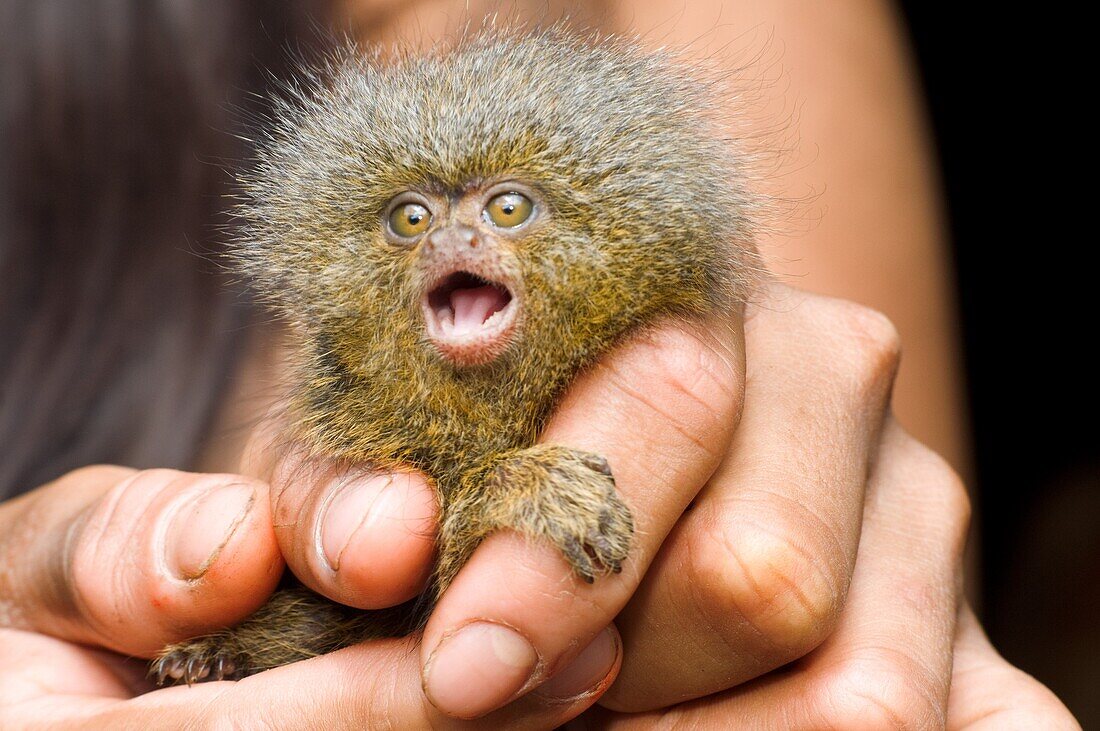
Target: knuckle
[102, 572]
[952, 493]
[297, 482]
[875, 342]
[868, 342]
[874, 328]
[103, 525]
[944, 489]
[96, 473]
[160, 477]
[779, 588]
[96, 540]
[883, 690]
[699, 380]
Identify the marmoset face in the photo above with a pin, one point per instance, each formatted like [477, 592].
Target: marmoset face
[466, 246]
[506, 209]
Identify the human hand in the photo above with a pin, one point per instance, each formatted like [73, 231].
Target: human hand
[901, 655]
[108, 562]
[661, 597]
[762, 571]
[704, 618]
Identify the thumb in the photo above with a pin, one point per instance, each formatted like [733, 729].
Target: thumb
[372, 685]
[358, 535]
[133, 560]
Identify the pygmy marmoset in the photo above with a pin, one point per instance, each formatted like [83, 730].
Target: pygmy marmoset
[453, 236]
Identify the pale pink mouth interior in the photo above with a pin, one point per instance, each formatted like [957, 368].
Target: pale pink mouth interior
[465, 303]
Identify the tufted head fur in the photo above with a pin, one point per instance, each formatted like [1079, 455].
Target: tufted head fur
[642, 212]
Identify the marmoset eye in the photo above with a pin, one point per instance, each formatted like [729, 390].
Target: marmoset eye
[509, 210]
[409, 220]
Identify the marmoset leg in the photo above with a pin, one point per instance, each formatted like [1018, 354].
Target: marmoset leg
[564, 495]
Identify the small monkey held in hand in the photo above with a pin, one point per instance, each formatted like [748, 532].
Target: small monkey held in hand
[453, 237]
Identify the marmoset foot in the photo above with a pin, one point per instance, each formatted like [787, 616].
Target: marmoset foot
[561, 494]
[194, 661]
[295, 624]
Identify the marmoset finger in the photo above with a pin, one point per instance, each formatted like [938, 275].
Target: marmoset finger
[356, 535]
[131, 561]
[755, 574]
[47, 683]
[661, 410]
[888, 663]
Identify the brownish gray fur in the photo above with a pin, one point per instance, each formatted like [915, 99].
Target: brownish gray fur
[648, 218]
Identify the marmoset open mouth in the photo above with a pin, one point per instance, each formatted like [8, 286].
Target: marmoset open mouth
[469, 318]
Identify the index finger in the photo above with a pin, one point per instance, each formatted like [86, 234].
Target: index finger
[661, 409]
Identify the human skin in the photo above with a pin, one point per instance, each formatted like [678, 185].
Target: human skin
[95, 561]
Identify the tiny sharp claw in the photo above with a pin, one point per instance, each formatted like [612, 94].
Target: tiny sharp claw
[158, 672]
[580, 561]
[168, 667]
[196, 670]
[597, 463]
[222, 668]
[600, 544]
[606, 553]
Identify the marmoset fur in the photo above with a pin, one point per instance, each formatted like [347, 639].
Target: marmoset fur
[453, 237]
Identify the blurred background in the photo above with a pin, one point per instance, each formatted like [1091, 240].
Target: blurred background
[1007, 130]
[115, 126]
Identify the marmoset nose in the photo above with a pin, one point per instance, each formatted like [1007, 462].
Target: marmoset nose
[452, 239]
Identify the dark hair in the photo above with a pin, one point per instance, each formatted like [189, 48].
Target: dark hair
[117, 331]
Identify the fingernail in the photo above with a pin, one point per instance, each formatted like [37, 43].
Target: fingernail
[587, 671]
[478, 669]
[357, 507]
[201, 530]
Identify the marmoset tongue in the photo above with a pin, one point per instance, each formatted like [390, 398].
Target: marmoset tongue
[472, 307]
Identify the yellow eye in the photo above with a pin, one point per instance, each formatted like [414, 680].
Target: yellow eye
[509, 210]
[410, 220]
